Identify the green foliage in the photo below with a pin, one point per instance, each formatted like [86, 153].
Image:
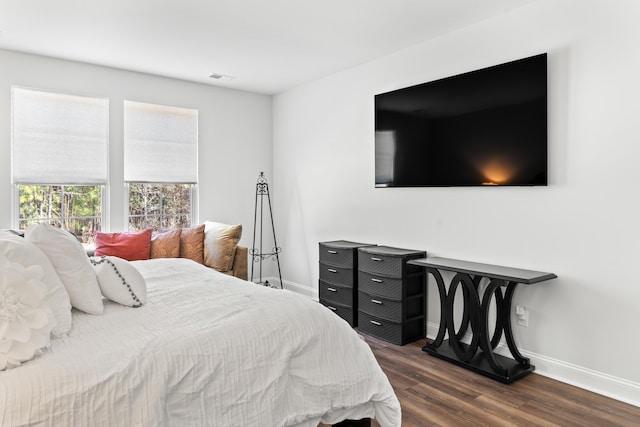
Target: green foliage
[76, 208]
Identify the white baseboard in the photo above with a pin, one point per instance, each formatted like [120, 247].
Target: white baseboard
[304, 290]
[294, 287]
[588, 379]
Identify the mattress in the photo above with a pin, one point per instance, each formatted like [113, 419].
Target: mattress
[206, 349]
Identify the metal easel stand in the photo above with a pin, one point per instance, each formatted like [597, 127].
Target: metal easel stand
[257, 253]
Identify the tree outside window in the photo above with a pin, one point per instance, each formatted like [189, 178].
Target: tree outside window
[75, 208]
[159, 206]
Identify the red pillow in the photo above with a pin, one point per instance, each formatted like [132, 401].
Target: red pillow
[129, 246]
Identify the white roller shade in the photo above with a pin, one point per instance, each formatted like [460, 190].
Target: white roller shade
[58, 139]
[160, 143]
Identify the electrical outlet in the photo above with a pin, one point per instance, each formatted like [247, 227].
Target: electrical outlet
[522, 315]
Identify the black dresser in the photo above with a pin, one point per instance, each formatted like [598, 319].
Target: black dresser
[338, 284]
[391, 294]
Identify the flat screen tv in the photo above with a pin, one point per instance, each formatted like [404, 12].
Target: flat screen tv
[484, 127]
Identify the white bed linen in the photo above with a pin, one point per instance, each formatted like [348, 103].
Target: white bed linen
[206, 350]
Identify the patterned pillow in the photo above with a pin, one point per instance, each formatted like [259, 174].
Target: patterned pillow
[120, 281]
[192, 243]
[166, 245]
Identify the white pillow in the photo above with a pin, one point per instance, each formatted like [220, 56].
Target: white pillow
[120, 281]
[26, 320]
[71, 262]
[19, 250]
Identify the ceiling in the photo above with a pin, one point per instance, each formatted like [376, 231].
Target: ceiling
[268, 46]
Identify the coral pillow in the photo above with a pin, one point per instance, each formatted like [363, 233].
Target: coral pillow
[166, 245]
[129, 246]
[192, 243]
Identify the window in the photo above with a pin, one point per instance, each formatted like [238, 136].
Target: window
[76, 208]
[159, 206]
[160, 165]
[59, 149]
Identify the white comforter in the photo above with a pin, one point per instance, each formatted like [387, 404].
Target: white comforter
[206, 350]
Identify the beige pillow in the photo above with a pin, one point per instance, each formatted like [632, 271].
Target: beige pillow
[220, 243]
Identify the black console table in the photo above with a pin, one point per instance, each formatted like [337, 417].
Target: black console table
[479, 355]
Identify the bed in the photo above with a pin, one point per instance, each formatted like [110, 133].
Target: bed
[206, 349]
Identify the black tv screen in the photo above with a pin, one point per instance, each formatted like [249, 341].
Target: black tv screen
[484, 127]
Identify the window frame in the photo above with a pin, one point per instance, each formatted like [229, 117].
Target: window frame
[104, 204]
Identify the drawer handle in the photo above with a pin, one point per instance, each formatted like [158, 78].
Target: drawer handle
[333, 252]
[376, 323]
[331, 270]
[376, 280]
[376, 259]
[375, 301]
[332, 289]
[331, 308]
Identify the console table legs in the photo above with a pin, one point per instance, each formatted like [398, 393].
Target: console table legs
[478, 355]
[511, 287]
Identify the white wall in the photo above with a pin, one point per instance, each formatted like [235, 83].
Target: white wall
[234, 131]
[583, 226]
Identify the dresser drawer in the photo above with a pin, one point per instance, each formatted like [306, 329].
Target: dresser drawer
[336, 256]
[380, 264]
[338, 275]
[337, 294]
[395, 333]
[381, 286]
[347, 313]
[387, 261]
[380, 307]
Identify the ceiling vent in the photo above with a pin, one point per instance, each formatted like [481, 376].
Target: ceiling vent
[221, 77]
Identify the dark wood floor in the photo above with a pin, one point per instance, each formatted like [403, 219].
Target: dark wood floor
[433, 392]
